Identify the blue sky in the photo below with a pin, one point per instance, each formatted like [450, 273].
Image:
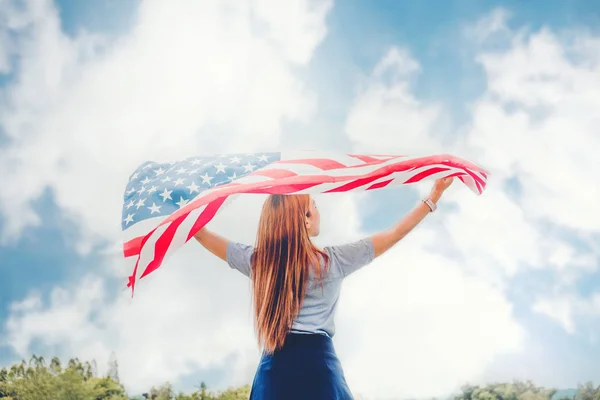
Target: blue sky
[359, 33]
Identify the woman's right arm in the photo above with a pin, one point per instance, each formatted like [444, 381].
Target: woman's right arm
[214, 243]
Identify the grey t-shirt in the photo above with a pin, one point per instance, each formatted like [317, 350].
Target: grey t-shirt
[320, 303]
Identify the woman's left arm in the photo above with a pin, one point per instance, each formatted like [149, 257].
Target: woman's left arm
[385, 240]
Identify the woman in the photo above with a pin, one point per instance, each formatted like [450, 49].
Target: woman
[296, 286]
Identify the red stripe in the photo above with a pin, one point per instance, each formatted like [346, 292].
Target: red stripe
[132, 247]
[322, 163]
[208, 214]
[367, 159]
[354, 184]
[381, 184]
[424, 174]
[162, 245]
[274, 173]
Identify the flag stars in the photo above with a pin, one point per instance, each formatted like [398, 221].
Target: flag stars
[154, 208]
[146, 181]
[130, 204]
[140, 203]
[142, 190]
[130, 191]
[166, 179]
[182, 202]
[179, 181]
[206, 179]
[129, 219]
[249, 167]
[166, 194]
[263, 158]
[153, 189]
[194, 188]
[134, 176]
[181, 171]
[197, 161]
[235, 160]
[159, 171]
[220, 167]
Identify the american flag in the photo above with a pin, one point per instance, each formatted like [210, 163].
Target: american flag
[165, 204]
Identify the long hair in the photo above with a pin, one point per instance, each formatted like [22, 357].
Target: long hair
[283, 256]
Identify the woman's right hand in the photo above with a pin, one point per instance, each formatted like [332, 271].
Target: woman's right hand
[442, 184]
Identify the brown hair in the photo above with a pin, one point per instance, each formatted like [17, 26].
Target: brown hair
[283, 256]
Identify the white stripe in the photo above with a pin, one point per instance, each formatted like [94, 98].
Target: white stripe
[183, 231]
[305, 169]
[147, 252]
[141, 228]
[303, 154]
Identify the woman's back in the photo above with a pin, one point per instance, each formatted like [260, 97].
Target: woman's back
[318, 309]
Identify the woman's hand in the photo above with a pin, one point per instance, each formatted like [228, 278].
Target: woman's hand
[439, 186]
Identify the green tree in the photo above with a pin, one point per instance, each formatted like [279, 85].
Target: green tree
[588, 392]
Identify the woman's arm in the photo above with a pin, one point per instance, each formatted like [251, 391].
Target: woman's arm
[383, 241]
[212, 242]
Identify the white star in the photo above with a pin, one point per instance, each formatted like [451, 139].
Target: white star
[153, 189]
[159, 171]
[208, 163]
[232, 177]
[142, 190]
[193, 188]
[129, 219]
[130, 191]
[249, 167]
[134, 176]
[166, 195]
[263, 158]
[148, 166]
[140, 203]
[154, 208]
[220, 167]
[235, 159]
[181, 171]
[182, 202]
[130, 204]
[146, 181]
[197, 161]
[193, 171]
[165, 179]
[179, 181]
[206, 178]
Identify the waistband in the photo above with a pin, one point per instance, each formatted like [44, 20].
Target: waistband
[308, 340]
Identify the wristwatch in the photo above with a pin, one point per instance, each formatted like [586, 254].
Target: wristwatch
[432, 206]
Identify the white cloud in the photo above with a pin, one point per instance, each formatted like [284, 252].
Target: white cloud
[565, 308]
[537, 122]
[386, 117]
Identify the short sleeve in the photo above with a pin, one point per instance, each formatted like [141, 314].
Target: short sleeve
[352, 256]
[239, 256]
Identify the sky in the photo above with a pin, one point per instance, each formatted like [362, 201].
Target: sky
[489, 288]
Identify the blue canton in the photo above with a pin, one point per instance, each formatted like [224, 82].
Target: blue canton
[156, 190]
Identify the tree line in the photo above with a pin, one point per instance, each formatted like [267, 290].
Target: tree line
[41, 380]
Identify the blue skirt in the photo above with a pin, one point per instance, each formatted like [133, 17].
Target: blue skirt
[306, 367]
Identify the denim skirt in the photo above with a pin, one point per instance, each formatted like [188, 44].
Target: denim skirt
[306, 367]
